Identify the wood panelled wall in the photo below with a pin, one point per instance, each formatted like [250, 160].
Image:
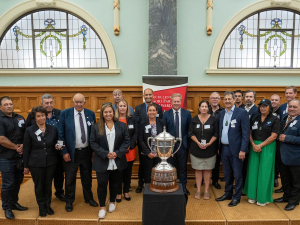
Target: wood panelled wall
[25, 98]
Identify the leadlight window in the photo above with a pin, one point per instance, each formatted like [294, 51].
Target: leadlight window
[267, 39]
[51, 39]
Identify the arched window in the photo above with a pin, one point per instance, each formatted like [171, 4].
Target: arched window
[51, 39]
[266, 39]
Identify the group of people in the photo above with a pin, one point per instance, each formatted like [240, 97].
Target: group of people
[246, 138]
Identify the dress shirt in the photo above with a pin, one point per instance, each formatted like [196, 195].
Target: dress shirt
[51, 121]
[79, 144]
[248, 109]
[179, 115]
[227, 117]
[110, 136]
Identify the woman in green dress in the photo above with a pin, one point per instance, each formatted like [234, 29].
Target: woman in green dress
[261, 166]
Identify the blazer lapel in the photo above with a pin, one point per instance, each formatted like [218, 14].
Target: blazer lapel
[72, 120]
[105, 138]
[117, 133]
[232, 117]
[87, 118]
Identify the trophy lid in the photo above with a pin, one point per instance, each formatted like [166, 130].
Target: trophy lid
[164, 136]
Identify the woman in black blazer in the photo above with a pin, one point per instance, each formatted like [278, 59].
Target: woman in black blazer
[150, 128]
[123, 115]
[109, 140]
[39, 155]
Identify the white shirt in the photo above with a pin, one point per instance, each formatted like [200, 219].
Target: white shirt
[110, 136]
[179, 115]
[248, 109]
[79, 143]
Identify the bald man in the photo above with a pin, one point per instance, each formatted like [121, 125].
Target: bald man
[118, 96]
[74, 130]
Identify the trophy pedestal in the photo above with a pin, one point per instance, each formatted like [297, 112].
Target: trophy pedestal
[163, 181]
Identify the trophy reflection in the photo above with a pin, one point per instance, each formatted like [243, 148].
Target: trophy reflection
[164, 176]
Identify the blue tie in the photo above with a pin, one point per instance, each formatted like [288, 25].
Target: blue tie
[176, 124]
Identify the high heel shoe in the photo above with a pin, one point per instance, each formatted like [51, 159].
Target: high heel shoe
[119, 200]
[127, 199]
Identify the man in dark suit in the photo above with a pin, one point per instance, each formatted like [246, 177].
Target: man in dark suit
[177, 121]
[74, 130]
[250, 107]
[141, 114]
[234, 133]
[290, 94]
[290, 154]
[52, 119]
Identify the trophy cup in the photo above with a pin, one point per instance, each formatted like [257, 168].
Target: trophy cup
[164, 176]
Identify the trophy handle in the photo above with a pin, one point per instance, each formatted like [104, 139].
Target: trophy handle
[177, 139]
[149, 138]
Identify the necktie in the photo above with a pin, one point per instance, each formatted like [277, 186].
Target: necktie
[83, 138]
[176, 124]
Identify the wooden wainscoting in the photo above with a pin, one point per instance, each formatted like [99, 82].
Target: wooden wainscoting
[27, 97]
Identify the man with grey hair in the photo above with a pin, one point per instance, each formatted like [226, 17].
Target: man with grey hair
[234, 135]
[118, 96]
[290, 155]
[52, 119]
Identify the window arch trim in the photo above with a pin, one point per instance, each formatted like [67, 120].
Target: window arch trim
[26, 7]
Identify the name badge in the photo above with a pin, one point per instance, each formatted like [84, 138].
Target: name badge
[20, 123]
[254, 127]
[38, 132]
[198, 126]
[206, 126]
[233, 121]
[89, 123]
[203, 142]
[293, 123]
[232, 125]
[39, 138]
[147, 131]
[130, 126]
[157, 115]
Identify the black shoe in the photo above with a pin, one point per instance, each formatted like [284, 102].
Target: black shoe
[49, 210]
[276, 183]
[289, 207]
[9, 214]
[186, 191]
[224, 197]
[69, 207]
[119, 200]
[139, 189]
[18, 207]
[280, 190]
[234, 202]
[61, 197]
[127, 199]
[280, 200]
[43, 212]
[91, 202]
[216, 185]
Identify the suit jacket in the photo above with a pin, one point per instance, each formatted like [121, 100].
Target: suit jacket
[143, 136]
[282, 111]
[239, 135]
[290, 148]
[252, 112]
[66, 129]
[133, 130]
[141, 114]
[39, 151]
[30, 120]
[186, 118]
[99, 145]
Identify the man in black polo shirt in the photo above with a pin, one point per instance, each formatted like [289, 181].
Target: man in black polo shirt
[12, 127]
[52, 119]
[238, 94]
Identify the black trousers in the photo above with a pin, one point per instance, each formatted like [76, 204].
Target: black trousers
[278, 161]
[290, 178]
[42, 178]
[149, 164]
[216, 171]
[59, 175]
[141, 172]
[125, 178]
[82, 160]
[114, 179]
[245, 168]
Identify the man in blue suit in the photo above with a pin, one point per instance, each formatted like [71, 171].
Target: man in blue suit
[234, 133]
[74, 130]
[290, 94]
[177, 121]
[250, 107]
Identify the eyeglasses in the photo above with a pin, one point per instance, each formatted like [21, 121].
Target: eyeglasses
[106, 103]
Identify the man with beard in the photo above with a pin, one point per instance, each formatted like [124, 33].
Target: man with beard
[290, 94]
[251, 108]
[141, 114]
[118, 96]
[238, 94]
